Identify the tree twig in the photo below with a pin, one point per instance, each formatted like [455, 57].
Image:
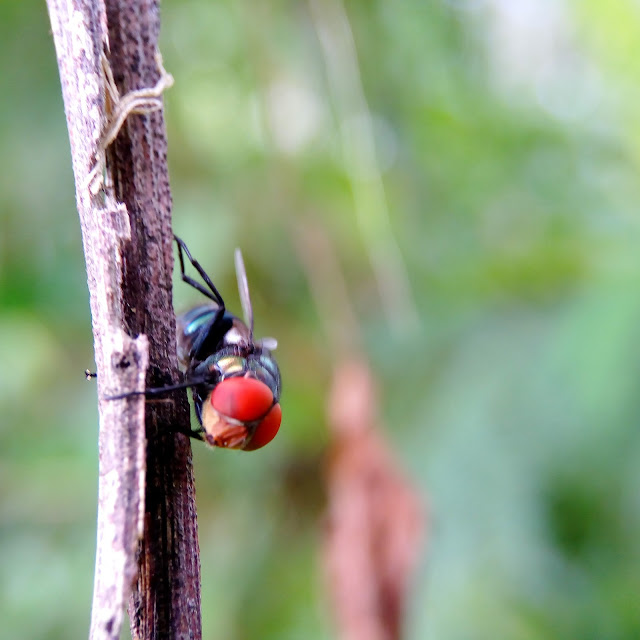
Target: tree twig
[146, 530]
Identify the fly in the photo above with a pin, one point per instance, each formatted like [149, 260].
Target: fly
[234, 379]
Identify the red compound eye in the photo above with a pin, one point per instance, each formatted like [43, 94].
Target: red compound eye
[267, 429]
[243, 399]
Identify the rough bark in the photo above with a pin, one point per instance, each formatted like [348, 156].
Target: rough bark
[147, 537]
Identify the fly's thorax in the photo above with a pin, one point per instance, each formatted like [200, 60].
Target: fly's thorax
[241, 361]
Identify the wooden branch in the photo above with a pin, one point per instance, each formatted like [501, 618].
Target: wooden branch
[147, 532]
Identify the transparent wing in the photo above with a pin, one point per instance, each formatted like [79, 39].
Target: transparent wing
[243, 288]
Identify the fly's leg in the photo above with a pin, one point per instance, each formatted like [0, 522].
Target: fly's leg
[201, 344]
[196, 434]
[158, 391]
[212, 293]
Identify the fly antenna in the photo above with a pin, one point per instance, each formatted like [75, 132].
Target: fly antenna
[243, 288]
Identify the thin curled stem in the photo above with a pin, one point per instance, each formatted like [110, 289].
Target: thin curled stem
[138, 101]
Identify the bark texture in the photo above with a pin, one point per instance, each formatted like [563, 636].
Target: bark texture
[147, 534]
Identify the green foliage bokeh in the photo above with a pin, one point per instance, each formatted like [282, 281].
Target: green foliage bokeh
[507, 139]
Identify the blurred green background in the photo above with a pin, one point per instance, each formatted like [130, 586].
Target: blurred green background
[499, 210]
